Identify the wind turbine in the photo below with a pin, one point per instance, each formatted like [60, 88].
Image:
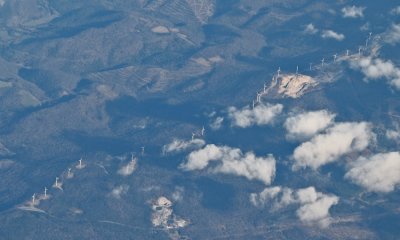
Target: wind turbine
[359, 51]
[334, 57]
[254, 104]
[80, 165]
[265, 88]
[45, 192]
[258, 97]
[370, 34]
[366, 42]
[193, 135]
[33, 198]
[142, 150]
[203, 130]
[69, 172]
[322, 62]
[310, 66]
[279, 71]
[347, 52]
[297, 71]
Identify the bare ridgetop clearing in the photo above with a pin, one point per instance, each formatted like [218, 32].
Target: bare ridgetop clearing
[291, 85]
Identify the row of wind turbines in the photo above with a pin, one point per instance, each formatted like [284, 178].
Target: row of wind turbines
[312, 67]
[36, 198]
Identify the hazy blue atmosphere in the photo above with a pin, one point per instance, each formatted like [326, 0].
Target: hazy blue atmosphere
[199, 119]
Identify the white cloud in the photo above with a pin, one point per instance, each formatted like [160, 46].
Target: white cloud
[129, 168]
[340, 139]
[180, 145]
[313, 206]
[317, 211]
[232, 161]
[262, 114]
[378, 173]
[353, 12]
[119, 190]
[305, 125]
[393, 134]
[310, 29]
[268, 194]
[217, 123]
[392, 36]
[332, 34]
[377, 68]
[177, 195]
[395, 11]
[306, 195]
[2, 2]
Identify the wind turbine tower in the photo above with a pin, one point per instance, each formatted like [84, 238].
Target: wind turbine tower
[142, 150]
[45, 192]
[334, 57]
[322, 62]
[80, 165]
[279, 71]
[33, 198]
[203, 130]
